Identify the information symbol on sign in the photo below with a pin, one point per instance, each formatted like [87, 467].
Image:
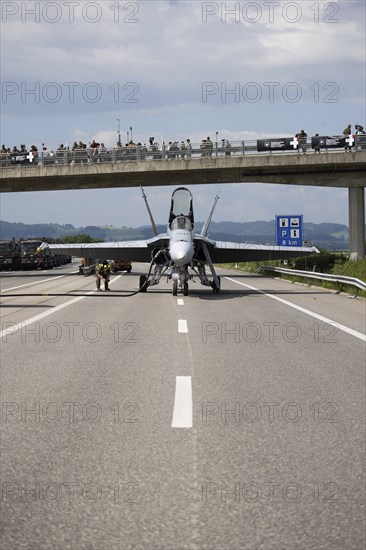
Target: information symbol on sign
[289, 230]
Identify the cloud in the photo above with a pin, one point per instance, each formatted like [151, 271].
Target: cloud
[170, 47]
[147, 63]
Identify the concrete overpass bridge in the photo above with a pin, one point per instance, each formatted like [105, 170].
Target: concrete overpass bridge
[329, 168]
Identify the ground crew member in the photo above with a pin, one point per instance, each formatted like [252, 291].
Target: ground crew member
[103, 272]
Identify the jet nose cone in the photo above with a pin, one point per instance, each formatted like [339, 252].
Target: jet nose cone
[181, 253]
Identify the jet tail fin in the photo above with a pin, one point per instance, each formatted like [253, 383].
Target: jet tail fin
[208, 221]
[154, 230]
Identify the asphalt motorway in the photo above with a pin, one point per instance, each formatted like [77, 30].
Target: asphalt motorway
[229, 421]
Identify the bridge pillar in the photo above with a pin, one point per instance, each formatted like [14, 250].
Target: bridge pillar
[356, 214]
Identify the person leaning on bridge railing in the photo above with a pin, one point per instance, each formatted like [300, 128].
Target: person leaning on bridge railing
[206, 148]
[131, 151]
[317, 146]
[117, 152]
[61, 154]
[94, 150]
[347, 132]
[189, 148]
[302, 140]
[171, 150]
[5, 156]
[227, 146]
[360, 138]
[183, 150]
[209, 146]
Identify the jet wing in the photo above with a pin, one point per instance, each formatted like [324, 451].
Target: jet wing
[136, 251]
[228, 252]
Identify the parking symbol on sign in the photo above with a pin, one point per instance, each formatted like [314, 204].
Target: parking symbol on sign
[289, 230]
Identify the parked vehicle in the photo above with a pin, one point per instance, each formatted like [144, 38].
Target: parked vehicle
[121, 265]
[33, 258]
[9, 255]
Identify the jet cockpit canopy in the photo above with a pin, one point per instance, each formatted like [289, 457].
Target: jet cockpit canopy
[181, 205]
[181, 222]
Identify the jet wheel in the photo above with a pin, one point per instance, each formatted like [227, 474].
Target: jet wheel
[175, 288]
[143, 286]
[215, 288]
[185, 289]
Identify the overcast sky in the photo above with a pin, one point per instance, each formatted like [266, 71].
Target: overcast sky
[177, 69]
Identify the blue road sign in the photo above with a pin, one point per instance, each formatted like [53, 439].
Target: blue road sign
[289, 230]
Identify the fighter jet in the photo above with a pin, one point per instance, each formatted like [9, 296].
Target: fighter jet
[180, 252]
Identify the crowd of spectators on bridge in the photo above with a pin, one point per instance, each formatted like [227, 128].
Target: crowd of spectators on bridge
[98, 152]
[80, 152]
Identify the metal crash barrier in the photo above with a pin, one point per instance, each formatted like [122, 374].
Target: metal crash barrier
[352, 281]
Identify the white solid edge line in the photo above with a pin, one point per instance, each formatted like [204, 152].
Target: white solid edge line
[182, 325]
[348, 330]
[13, 329]
[115, 279]
[182, 413]
[34, 283]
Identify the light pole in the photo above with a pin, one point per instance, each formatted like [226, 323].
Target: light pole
[131, 133]
[119, 132]
[217, 133]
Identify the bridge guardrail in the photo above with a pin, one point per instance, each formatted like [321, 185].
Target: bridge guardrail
[175, 151]
[316, 275]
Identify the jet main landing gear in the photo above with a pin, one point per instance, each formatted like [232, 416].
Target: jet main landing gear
[215, 288]
[143, 284]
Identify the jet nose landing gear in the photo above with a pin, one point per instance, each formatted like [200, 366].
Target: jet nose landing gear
[184, 288]
[180, 282]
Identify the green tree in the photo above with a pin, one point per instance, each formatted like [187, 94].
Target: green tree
[81, 238]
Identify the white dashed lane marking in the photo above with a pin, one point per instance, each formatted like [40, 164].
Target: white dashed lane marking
[182, 325]
[182, 413]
